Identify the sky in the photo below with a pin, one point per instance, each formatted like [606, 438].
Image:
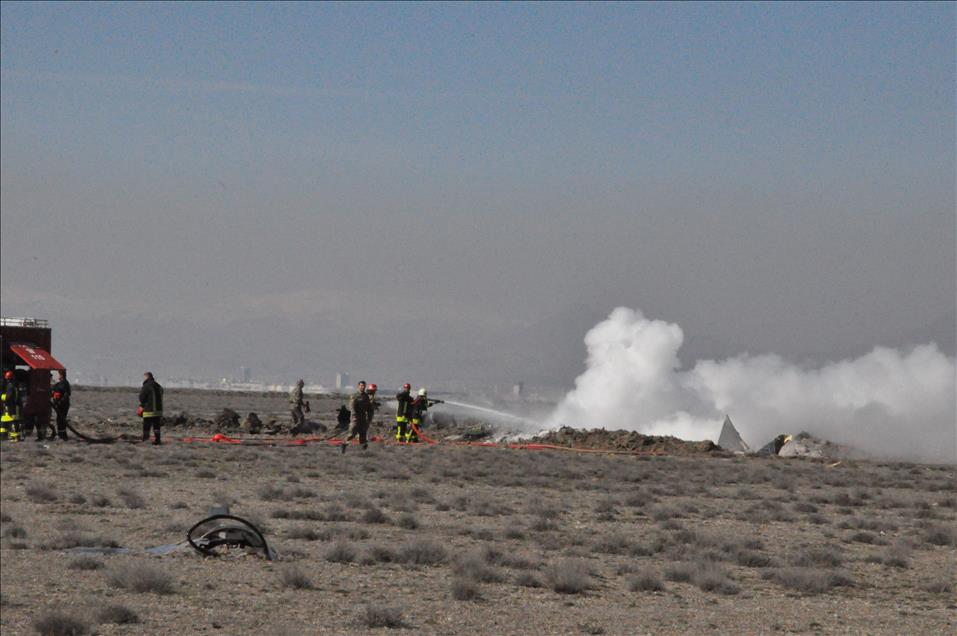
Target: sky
[456, 193]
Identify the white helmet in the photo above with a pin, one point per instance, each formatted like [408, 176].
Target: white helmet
[422, 392]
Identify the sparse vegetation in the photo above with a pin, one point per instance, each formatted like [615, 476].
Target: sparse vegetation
[141, 577]
[85, 563]
[292, 576]
[423, 552]
[41, 493]
[60, 623]
[645, 581]
[131, 498]
[464, 589]
[341, 552]
[568, 576]
[376, 616]
[482, 527]
[809, 580]
[117, 615]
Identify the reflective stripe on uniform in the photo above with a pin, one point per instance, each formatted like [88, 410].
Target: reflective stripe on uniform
[401, 419]
[152, 413]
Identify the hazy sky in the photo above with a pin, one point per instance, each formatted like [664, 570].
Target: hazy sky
[457, 192]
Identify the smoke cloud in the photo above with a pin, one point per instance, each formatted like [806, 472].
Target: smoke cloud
[890, 403]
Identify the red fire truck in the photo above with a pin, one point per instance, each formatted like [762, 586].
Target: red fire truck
[25, 350]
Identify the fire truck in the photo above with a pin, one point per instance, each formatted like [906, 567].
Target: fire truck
[25, 350]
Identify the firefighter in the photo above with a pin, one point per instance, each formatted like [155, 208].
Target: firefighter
[60, 399]
[420, 407]
[296, 406]
[402, 412]
[418, 412]
[361, 407]
[373, 402]
[151, 408]
[12, 417]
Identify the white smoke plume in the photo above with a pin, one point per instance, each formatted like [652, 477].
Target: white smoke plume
[889, 403]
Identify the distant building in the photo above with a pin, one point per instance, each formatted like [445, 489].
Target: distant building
[245, 374]
[518, 390]
[342, 380]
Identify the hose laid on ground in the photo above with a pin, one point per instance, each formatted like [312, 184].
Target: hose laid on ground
[102, 440]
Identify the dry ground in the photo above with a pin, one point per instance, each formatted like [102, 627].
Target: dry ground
[456, 540]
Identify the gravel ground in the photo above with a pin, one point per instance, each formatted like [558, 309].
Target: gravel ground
[463, 540]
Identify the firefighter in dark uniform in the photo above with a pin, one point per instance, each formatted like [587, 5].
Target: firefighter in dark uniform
[151, 407]
[12, 417]
[60, 399]
[402, 412]
[418, 411]
[361, 406]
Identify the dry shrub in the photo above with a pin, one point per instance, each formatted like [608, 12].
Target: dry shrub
[937, 534]
[568, 576]
[306, 534]
[710, 577]
[141, 577]
[527, 579]
[822, 556]
[303, 515]
[41, 493]
[408, 522]
[335, 512]
[897, 556]
[131, 498]
[646, 581]
[809, 580]
[117, 615]
[943, 584]
[423, 552]
[100, 501]
[375, 616]
[60, 624]
[374, 515]
[74, 538]
[464, 589]
[381, 554]
[341, 552]
[474, 567]
[514, 532]
[85, 563]
[293, 577]
[681, 572]
[15, 532]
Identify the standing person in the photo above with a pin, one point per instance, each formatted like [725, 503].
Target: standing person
[402, 412]
[373, 402]
[296, 406]
[361, 407]
[12, 407]
[151, 407]
[60, 399]
[419, 409]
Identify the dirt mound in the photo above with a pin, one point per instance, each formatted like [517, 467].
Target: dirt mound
[601, 439]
